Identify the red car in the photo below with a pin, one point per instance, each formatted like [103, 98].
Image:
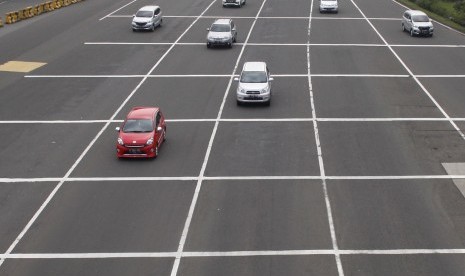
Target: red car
[142, 133]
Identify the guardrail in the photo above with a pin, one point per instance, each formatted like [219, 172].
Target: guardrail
[29, 12]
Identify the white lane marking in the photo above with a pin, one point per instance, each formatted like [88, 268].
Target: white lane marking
[267, 17]
[3, 2]
[320, 154]
[440, 76]
[185, 231]
[96, 179]
[216, 178]
[456, 168]
[110, 14]
[428, 46]
[127, 76]
[246, 120]
[454, 125]
[76, 163]
[227, 76]
[286, 44]
[195, 254]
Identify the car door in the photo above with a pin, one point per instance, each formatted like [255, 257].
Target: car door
[407, 21]
[233, 30]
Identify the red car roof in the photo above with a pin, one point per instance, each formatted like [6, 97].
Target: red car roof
[142, 112]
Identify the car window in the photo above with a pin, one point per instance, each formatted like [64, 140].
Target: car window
[157, 120]
[157, 11]
[253, 77]
[138, 125]
[144, 14]
[220, 28]
[420, 18]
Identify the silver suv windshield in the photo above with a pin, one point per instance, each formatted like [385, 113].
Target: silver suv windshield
[220, 28]
[144, 14]
[138, 125]
[420, 18]
[253, 77]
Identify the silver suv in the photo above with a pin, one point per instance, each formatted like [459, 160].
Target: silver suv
[328, 6]
[222, 32]
[238, 3]
[147, 18]
[417, 23]
[254, 83]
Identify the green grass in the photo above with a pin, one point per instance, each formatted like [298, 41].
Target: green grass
[449, 6]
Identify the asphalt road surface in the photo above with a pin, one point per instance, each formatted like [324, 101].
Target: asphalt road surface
[344, 174]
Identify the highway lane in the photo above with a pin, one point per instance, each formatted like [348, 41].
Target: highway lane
[261, 208]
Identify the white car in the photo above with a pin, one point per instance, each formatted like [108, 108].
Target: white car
[254, 84]
[147, 18]
[237, 3]
[328, 6]
[417, 23]
[222, 32]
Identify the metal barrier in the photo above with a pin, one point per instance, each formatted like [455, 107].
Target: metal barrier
[15, 16]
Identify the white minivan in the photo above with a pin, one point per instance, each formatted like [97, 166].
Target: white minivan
[417, 23]
[147, 18]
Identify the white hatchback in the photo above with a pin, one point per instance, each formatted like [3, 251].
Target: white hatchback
[254, 83]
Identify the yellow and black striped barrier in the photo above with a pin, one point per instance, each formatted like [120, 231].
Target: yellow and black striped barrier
[15, 16]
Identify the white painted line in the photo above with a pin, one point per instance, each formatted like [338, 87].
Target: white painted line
[265, 17]
[227, 178]
[89, 255]
[117, 10]
[324, 252]
[386, 119]
[456, 168]
[221, 178]
[76, 163]
[245, 120]
[227, 76]
[454, 125]
[320, 154]
[61, 122]
[96, 179]
[194, 254]
[360, 75]
[284, 44]
[141, 43]
[395, 177]
[127, 76]
[3, 2]
[440, 76]
[84, 76]
[190, 214]
[428, 46]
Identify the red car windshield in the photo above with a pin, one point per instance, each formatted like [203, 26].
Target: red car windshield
[138, 125]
